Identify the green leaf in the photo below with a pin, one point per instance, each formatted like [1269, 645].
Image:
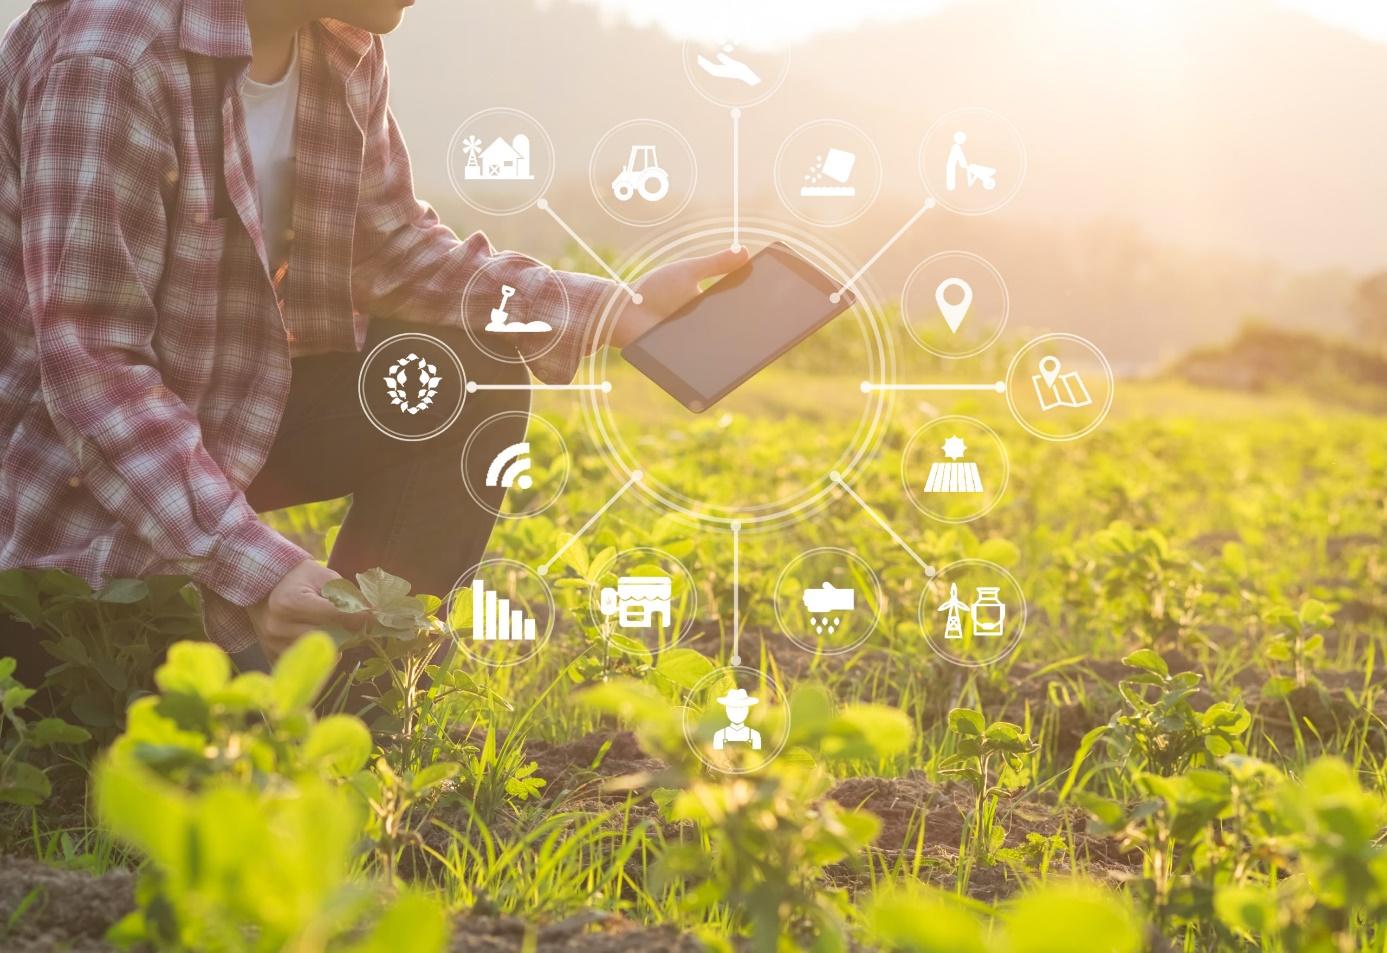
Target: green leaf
[55, 731]
[999, 551]
[301, 671]
[967, 722]
[16, 698]
[887, 730]
[1147, 661]
[23, 784]
[341, 742]
[194, 668]
[124, 592]
[414, 922]
[1006, 737]
[1314, 614]
[918, 919]
[344, 595]
[382, 589]
[683, 667]
[434, 775]
[1069, 917]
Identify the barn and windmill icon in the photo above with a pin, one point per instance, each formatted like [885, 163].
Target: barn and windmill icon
[502, 161]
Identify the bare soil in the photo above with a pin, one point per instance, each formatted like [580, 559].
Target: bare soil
[63, 909]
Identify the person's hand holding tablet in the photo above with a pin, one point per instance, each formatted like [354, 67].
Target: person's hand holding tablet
[666, 290]
[713, 342]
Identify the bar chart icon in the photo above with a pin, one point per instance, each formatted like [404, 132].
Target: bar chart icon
[493, 619]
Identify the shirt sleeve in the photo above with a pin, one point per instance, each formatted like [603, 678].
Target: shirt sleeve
[409, 265]
[95, 159]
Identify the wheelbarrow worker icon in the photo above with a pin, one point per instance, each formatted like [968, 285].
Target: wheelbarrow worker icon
[973, 172]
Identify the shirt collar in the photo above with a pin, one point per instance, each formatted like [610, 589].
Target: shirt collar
[215, 28]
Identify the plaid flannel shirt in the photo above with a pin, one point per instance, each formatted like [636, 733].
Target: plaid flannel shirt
[144, 346]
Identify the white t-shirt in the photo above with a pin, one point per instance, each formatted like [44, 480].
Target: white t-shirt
[270, 111]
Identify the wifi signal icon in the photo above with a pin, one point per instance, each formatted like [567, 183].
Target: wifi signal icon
[510, 467]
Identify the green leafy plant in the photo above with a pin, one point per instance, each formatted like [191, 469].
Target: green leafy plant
[763, 840]
[21, 781]
[981, 748]
[105, 643]
[239, 797]
[1162, 729]
[1298, 643]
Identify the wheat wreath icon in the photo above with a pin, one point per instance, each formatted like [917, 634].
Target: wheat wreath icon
[398, 386]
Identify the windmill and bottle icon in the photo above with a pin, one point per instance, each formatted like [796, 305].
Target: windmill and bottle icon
[987, 613]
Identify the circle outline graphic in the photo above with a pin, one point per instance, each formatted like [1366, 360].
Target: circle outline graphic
[1001, 283]
[529, 417]
[921, 166]
[691, 741]
[872, 424]
[462, 644]
[926, 630]
[597, 192]
[478, 338]
[996, 496]
[836, 222]
[1107, 370]
[770, 90]
[371, 415]
[547, 180]
[880, 593]
[593, 593]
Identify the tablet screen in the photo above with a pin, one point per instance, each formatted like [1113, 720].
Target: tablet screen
[738, 326]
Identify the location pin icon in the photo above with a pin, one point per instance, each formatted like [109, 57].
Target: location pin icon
[1049, 369]
[954, 312]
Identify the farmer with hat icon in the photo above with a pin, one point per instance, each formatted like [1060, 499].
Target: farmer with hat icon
[738, 704]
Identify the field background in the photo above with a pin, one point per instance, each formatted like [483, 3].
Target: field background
[1185, 752]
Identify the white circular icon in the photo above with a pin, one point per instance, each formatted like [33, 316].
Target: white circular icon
[528, 474]
[955, 469]
[955, 304]
[973, 613]
[828, 601]
[732, 73]
[499, 318]
[503, 616]
[501, 161]
[411, 387]
[972, 161]
[644, 599]
[828, 172]
[736, 719]
[643, 172]
[1060, 386]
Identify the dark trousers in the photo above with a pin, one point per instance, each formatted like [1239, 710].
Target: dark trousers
[411, 513]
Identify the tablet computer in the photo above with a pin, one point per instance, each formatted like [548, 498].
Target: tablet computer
[744, 322]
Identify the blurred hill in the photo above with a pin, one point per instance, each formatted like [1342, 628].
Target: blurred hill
[1267, 360]
[1190, 163]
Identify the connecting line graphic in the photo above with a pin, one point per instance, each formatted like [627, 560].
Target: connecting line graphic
[999, 387]
[837, 478]
[838, 295]
[736, 658]
[636, 477]
[736, 180]
[605, 387]
[544, 206]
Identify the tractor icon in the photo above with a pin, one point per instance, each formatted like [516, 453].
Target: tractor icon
[642, 173]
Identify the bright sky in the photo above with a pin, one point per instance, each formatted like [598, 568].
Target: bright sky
[770, 21]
